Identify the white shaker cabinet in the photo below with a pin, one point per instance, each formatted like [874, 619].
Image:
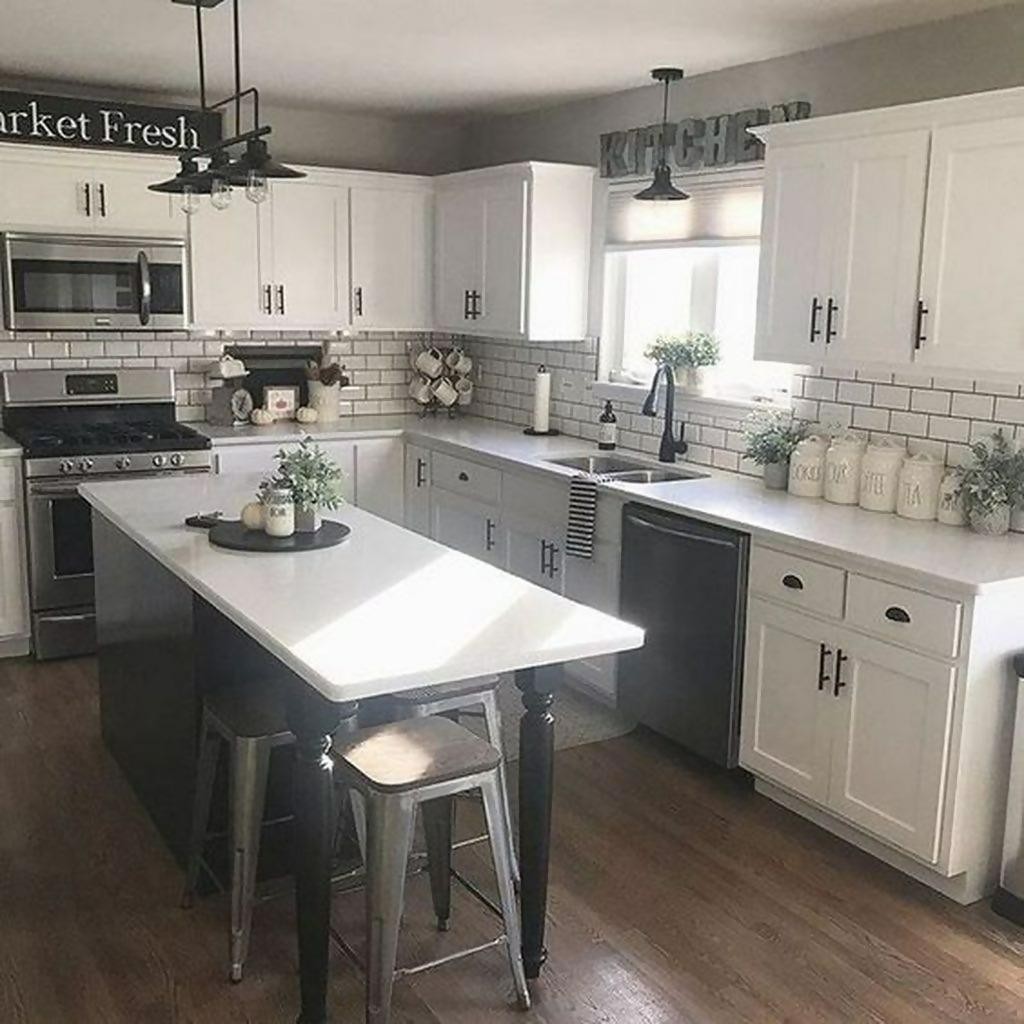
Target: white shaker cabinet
[260, 457]
[14, 624]
[535, 550]
[467, 525]
[417, 489]
[380, 477]
[390, 246]
[225, 266]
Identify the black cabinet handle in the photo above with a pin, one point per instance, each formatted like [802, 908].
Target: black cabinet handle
[792, 582]
[840, 660]
[894, 613]
[553, 568]
[489, 536]
[544, 558]
[815, 313]
[823, 677]
[87, 190]
[267, 300]
[474, 305]
[830, 331]
[101, 189]
[280, 299]
[919, 336]
[359, 301]
[465, 305]
[421, 472]
[464, 477]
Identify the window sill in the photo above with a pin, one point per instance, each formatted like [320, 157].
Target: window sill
[708, 403]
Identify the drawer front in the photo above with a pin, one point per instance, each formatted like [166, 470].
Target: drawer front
[797, 581]
[460, 476]
[909, 617]
[9, 489]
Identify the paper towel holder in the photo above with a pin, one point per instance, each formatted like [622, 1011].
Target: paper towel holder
[529, 431]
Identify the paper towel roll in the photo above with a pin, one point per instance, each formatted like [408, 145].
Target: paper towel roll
[542, 401]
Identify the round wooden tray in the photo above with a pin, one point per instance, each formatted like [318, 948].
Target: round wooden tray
[234, 536]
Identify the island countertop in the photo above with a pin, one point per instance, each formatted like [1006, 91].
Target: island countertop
[387, 610]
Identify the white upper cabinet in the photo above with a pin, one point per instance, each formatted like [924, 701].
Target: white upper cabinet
[972, 277]
[890, 237]
[85, 192]
[512, 251]
[390, 244]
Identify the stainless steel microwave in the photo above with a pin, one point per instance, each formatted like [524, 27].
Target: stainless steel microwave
[72, 282]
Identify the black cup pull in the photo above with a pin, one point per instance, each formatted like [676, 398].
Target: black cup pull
[464, 477]
[894, 613]
[823, 677]
[792, 582]
[841, 659]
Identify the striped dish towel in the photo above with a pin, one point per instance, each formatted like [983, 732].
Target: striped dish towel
[579, 535]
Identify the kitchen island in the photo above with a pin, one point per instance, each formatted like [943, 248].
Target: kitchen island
[386, 611]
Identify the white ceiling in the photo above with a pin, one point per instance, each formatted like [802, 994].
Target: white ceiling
[436, 56]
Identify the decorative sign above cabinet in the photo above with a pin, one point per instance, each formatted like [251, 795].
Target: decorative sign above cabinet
[694, 142]
[103, 124]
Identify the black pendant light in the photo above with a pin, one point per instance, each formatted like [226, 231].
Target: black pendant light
[662, 189]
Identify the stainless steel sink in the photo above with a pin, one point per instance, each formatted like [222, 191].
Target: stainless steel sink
[599, 464]
[654, 476]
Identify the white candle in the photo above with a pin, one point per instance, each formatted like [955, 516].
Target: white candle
[542, 401]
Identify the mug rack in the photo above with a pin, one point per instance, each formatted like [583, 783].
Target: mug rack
[435, 370]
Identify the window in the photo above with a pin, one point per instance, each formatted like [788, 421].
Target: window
[674, 288]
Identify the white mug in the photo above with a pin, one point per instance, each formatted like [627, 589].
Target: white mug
[419, 390]
[464, 386]
[444, 391]
[430, 363]
[458, 361]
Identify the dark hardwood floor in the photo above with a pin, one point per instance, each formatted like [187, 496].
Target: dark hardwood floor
[678, 895]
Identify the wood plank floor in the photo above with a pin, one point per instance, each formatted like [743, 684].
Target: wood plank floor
[678, 895]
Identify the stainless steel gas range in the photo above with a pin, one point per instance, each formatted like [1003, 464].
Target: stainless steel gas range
[76, 425]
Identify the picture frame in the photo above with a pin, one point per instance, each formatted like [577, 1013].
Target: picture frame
[281, 400]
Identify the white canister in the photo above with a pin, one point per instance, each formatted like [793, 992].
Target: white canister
[279, 513]
[326, 399]
[879, 476]
[842, 469]
[807, 468]
[918, 494]
[951, 501]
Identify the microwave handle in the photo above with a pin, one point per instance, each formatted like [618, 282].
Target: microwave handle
[145, 289]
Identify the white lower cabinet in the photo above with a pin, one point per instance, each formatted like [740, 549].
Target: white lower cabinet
[14, 623]
[595, 583]
[467, 525]
[417, 489]
[261, 458]
[535, 550]
[380, 477]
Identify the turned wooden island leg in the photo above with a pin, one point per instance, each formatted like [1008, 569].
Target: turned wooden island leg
[314, 720]
[536, 778]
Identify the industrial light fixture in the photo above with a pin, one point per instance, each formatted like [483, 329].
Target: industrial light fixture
[661, 188]
[253, 167]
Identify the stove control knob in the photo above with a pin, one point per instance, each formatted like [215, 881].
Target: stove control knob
[159, 461]
[177, 459]
[85, 465]
[123, 462]
[67, 466]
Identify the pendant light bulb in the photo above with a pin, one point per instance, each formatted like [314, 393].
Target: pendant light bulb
[257, 189]
[661, 188]
[220, 194]
[189, 201]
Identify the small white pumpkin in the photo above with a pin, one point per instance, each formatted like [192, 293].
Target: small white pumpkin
[307, 414]
[262, 417]
[252, 516]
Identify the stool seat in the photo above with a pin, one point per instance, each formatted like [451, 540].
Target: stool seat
[250, 709]
[414, 753]
[428, 694]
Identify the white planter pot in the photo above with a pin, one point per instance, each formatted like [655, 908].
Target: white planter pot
[993, 522]
[776, 476]
[307, 520]
[326, 399]
[693, 378]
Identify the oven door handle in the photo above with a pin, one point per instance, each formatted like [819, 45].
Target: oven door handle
[145, 289]
[53, 491]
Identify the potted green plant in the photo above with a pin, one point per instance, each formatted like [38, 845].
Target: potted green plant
[313, 478]
[691, 352]
[771, 435]
[991, 484]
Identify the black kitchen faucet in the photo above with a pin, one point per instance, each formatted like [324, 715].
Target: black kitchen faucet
[670, 447]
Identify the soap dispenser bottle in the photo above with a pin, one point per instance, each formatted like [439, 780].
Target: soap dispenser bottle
[608, 429]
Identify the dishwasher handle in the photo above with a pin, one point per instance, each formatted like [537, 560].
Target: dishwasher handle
[675, 531]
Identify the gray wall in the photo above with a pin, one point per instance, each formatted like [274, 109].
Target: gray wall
[332, 138]
[961, 55]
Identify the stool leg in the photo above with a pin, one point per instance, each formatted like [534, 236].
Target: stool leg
[501, 843]
[438, 818]
[250, 764]
[492, 719]
[390, 824]
[206, 775]
[358, 804]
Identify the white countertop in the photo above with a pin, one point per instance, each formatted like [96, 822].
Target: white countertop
[8, 446]
[386, 610]
[928, 552]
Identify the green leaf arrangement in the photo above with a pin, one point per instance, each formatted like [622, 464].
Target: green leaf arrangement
[312, 476]
[771, 435]
[692, 349]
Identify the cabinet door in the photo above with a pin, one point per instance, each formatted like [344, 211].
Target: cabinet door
[786, 723]
[13, 605]
[261, 458]
[795, 246]
[380, 484]
[535, 551]
[458, 247]
[972, 275]
[123, 202]
[466, 525]
[307, 267]
[227, 290]
[879, 217]
[36, 193]
[595, 583]
[417, 489]
[891, 746]
[503, 303]
[390, 230]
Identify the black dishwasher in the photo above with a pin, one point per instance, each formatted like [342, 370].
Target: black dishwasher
[685, 582]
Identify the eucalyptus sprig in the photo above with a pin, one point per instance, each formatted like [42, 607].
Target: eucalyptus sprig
[771, 435]
[312, 476]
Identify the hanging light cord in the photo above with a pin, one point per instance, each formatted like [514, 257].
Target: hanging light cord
[238, 74]
[202, 59]
[662, 148]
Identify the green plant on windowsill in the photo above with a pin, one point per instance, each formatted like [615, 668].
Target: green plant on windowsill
[691, 352]
[991, 484]
[312, 476]
[771, 436]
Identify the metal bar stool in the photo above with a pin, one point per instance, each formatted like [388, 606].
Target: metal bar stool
[251, 720]
[459, 698]
[397, 767]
